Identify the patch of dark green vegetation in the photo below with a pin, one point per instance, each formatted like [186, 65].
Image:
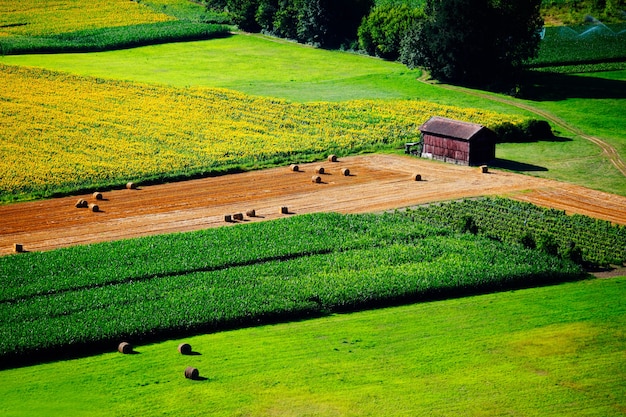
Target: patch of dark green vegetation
[193, 11]
[106, 39]
[590, 242]
[592, 44]
[81, 300]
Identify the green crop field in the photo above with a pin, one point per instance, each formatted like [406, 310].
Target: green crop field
[586, 240]
[254, 273]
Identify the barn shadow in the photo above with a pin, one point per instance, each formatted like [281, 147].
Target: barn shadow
[543, 138]
[516, 166]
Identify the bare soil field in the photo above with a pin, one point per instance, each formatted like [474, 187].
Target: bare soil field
[375, 183]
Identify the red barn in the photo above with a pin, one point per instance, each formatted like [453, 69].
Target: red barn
[458, 142]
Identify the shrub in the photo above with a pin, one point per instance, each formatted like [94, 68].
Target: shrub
[531, 130]
[382, 30]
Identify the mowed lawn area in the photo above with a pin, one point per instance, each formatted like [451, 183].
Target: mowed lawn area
[549, 351]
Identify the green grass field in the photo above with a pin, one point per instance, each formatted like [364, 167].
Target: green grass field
[550, 351]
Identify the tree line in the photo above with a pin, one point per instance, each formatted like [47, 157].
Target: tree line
[465, 41]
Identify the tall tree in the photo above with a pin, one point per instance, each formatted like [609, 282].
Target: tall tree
[474, 41]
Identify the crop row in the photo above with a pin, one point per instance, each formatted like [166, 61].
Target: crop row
[41, 273]
[102, 39]
[63, 132]
[42, 18]
[74, 26]
[580, 238]
[342, 263]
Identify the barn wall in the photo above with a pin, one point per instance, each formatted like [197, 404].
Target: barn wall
[446, 149]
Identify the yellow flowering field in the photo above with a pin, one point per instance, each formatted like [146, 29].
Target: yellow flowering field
[63, 132]
[49, 17]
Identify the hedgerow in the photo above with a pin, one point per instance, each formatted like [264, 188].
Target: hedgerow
[81, 299]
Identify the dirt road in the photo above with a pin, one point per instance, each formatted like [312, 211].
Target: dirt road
[375, 183]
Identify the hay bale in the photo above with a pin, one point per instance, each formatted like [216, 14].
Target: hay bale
[332, 158]
[251, 213]
[294, 167]
[81, 204]
[484, 169]
[238, 216]
[125, 348]
[18, 248]
[228, 218]
[284, 210]
[97, 195]
[94, 207]
[316, 179]
[191, 372]
[345, 172]
[319, 170]
[417, 177]
[131, 185]
[184, 348]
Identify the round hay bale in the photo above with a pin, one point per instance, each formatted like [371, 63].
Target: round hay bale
[125, 348]
[332, 158]
[238, 216]
[81, 203]
[345, 172]
[97, 195]
[228, 218]
[191, 372]
[131, 185]
[484, 169]
[316, 179]
[94, 207]
[251, 213]
[18, 247]
[184, 348]
[417, 177]
[319, 170]
[294, 167]
[284, 210]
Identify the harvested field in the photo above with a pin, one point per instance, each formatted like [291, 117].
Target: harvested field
[376, 183]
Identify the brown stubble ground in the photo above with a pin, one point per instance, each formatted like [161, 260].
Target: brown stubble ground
[376, 183]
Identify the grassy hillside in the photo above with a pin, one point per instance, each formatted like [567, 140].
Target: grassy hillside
[550, 351]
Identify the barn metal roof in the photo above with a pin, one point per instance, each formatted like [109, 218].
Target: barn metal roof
[451, 128]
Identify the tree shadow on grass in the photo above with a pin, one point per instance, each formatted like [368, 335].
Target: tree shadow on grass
[545, 86]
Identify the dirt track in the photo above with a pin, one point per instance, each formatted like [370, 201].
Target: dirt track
[375, 183]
